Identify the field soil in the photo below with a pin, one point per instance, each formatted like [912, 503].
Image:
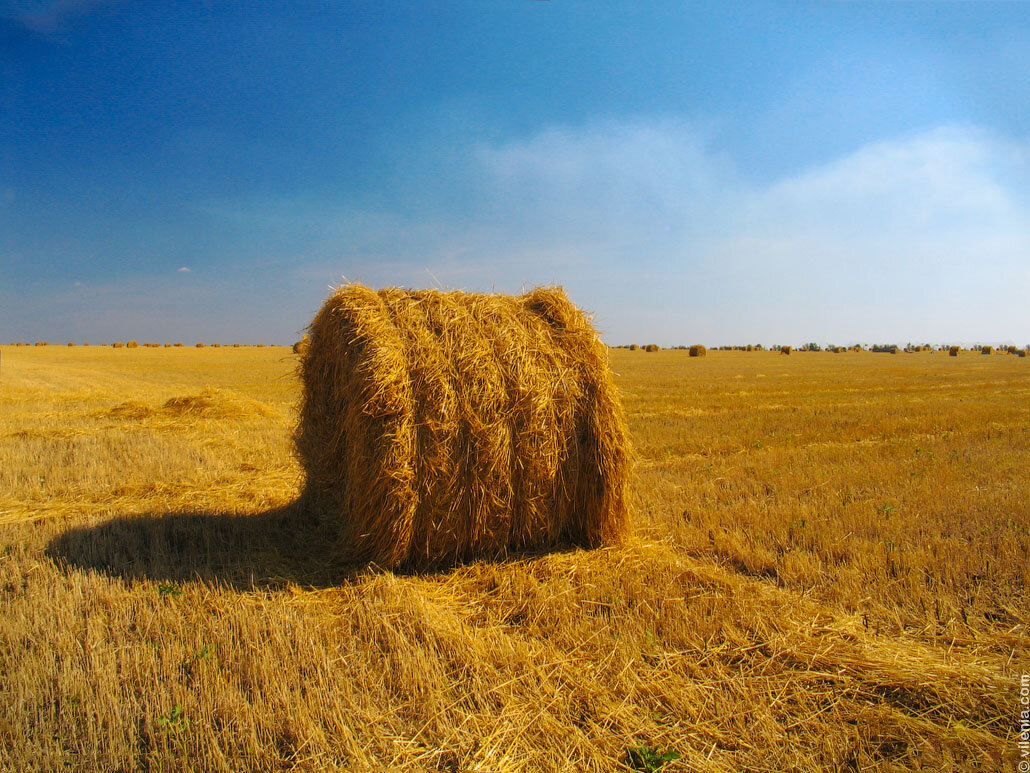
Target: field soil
[829, 570]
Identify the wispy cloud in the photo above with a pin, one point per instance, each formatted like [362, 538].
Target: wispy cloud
[48, 17]
[922, 236]
[184, 270]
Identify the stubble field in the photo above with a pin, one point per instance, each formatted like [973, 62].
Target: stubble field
[830, 569]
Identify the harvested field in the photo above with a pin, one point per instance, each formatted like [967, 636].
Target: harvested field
[829, 569]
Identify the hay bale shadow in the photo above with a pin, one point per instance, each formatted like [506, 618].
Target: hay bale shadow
[272, 549]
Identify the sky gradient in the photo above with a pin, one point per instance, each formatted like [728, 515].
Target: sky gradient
[690, 172]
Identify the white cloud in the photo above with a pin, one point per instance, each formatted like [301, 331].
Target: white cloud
[923, 236]
[184, 270]
[920, 237]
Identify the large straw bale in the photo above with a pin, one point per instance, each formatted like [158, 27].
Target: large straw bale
[441, 426]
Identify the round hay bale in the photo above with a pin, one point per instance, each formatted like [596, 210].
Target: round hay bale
[633, 347]
[301, 346]
[118, 345]
[987, 350]
[132, 345]
[651, 348]
[954, 350]
[697, 350]
[441, 426]
[200, 345]
[786, 349]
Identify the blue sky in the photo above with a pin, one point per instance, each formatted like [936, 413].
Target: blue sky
[690, 172]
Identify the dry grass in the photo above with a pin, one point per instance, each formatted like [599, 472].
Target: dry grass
[441, 426]
[829, 571]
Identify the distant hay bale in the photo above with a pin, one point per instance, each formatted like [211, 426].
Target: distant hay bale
[440, 426]
[200, 345]
[132, 345]
[235, 346]
[168, 346]
[987, 350]
[1021, 353]
[954, 350]
[216, 346]
[697, 350]
[179, 343]
[786, 349]
[651, 348]
[71, 343]
[301, 346]
[118, 345]
[633, 347]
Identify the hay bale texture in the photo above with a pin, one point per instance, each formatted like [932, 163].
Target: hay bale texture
[437, 427]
